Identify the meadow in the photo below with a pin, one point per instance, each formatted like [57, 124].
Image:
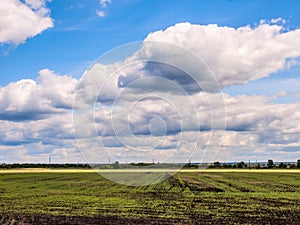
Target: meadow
[189, 197]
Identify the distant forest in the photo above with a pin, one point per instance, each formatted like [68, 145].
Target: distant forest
[116, 165]
[44, 165]
[257, 165]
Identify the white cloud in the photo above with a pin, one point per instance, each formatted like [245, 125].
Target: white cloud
[282, 94]
[35, 4]
[54, 130]
[35, 141]
[278, 20]
[29, 99]
[39, 153]
[20, 21]
[100, 13]
[253, 122]
[104, 4]
[146, 97]
[236, 56]
[58, 89]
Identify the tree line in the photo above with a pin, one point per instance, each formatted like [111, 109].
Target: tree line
[44, 165]
[116, 165]
[269, 165]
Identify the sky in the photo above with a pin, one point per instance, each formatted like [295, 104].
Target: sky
[137, 80]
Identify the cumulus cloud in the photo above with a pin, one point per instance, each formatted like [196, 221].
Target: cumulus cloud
[39, 153]
[243, 114]
[36, 140]
[235, 55]
[141, 99]
[58, 89]
[22, 20]
[29, 99]
[253, 123]
[53, 130]
[35, 4]
[159, 100]
[204, 58]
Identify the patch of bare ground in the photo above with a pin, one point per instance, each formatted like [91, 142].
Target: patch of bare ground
[242, 218]
[196, 185]
[43, 219]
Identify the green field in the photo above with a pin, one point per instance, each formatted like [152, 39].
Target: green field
[187, 198]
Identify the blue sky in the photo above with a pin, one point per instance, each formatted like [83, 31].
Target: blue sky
[41, 66]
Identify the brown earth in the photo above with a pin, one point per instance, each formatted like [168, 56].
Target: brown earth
[42, 219]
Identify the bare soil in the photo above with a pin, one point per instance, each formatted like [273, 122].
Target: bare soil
[43, 219]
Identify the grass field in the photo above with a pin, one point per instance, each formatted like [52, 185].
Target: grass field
[189, 197]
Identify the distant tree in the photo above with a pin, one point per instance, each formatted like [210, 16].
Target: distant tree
[270, 163]
[241, 164]
[298, 163]
[217, 164]
[258, 166]
[281, 165]
[116, 165]
[211, 166]
[227, 166]
[284, 166]
[292, 166]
